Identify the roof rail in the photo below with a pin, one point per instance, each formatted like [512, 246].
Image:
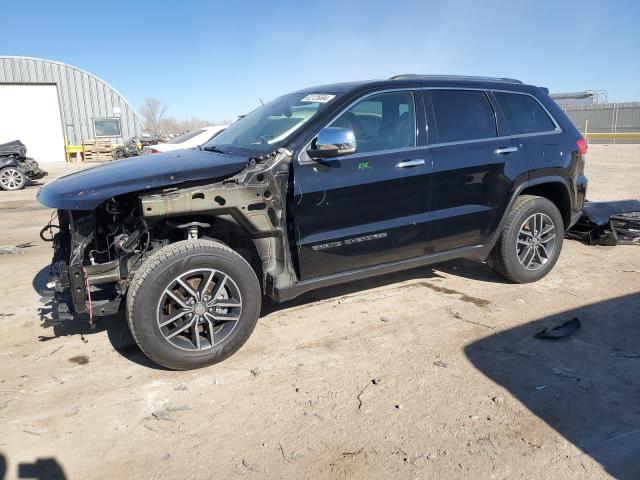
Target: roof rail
[413, 76]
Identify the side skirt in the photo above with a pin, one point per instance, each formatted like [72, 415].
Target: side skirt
[298, 288]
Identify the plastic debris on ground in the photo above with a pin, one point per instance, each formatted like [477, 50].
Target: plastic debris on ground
[560, 331]
[608, 223]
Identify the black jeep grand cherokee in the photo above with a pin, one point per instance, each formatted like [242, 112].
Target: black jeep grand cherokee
[318, 187]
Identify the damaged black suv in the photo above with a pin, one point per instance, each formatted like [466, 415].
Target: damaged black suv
[318, 187]
[16, 169]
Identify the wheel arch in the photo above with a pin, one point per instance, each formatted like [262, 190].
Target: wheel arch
[9, 161]
[556, 192]
[237, 237]
[555, 187]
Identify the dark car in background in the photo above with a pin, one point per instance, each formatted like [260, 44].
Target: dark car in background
[16, 169]
[318, 187]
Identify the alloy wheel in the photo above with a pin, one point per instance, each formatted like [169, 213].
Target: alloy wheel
[199, 309]
[536, 242]
[11, 178]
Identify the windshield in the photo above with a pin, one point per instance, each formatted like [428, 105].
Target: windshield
[268, 126]
[186, 136]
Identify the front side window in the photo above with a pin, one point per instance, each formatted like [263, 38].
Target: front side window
[386, 121]
[269, 126]
[463, 115]
[524, 114]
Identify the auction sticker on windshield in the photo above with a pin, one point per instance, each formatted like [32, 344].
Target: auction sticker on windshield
[318, 98]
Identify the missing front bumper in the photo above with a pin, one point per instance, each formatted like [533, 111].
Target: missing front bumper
[80, 290]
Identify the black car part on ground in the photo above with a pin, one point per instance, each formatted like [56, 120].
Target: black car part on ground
[563, 330]
[608, 223]
[129, 149]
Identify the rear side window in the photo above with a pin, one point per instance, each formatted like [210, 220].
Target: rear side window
[524, 113]
[462, 115]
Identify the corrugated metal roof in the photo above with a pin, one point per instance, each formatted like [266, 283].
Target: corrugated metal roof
[574, 95]
[82, 96]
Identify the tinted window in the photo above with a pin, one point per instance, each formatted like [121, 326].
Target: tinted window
[462, 115]
[524, 114]
[382, 122]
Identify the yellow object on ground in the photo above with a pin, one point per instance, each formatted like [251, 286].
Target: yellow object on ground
[72, 149]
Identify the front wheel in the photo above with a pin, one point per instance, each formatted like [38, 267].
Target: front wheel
[193, 304]
[530, 241]
[12, 178]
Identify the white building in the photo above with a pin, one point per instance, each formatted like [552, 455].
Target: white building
[43, 102]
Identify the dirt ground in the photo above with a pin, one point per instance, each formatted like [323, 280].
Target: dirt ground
[431, 373]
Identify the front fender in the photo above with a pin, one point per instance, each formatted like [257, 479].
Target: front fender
[9, 162]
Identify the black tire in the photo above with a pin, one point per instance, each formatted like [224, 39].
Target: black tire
[505, 260]
[12, 178]
[156, 275]
[119, 153]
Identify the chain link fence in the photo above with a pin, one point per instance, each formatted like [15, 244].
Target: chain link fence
[607, 122]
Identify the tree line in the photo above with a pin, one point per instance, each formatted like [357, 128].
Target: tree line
[155, 119]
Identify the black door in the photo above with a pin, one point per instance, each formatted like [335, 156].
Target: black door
[370, 207]
[476, 164]
[535, 134]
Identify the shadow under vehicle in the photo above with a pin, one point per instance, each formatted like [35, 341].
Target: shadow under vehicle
[586, 386]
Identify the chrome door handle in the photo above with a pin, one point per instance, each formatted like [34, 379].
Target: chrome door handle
[410, 163]
[504, 150]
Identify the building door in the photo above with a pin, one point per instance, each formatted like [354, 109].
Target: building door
[31, 114]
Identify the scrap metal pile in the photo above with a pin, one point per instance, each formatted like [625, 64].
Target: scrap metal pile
[608, 223]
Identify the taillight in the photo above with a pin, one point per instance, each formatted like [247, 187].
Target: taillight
[153, 150]
[581, 143]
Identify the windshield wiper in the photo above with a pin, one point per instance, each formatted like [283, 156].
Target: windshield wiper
[215, 149]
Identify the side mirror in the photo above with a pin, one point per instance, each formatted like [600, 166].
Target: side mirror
[333, 142]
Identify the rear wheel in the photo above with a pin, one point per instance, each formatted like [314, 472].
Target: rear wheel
[530, 241]
[12, 178]
[192, 304]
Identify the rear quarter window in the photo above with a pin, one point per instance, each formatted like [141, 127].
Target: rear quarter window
[524, 114]
[462, 115]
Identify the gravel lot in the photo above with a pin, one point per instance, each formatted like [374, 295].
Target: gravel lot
[423, 374]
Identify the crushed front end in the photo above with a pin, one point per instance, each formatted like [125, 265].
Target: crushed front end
[99, 246]
[31, 169]
[94, 253]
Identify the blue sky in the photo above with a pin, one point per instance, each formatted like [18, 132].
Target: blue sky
[217, 59]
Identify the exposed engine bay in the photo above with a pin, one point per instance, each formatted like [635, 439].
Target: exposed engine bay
[96, 253]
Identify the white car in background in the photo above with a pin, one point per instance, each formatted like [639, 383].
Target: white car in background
[188, 140]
